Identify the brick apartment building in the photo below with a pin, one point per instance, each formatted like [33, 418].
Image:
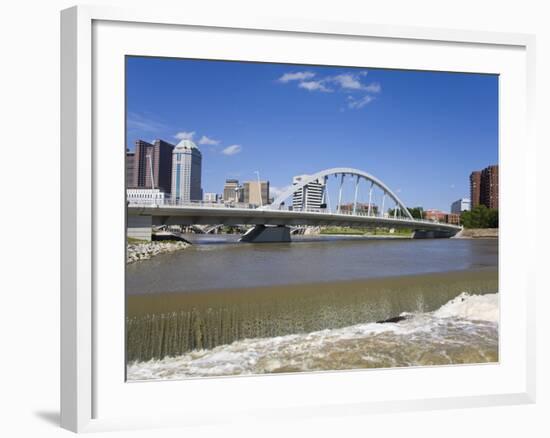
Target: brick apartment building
[484, 187]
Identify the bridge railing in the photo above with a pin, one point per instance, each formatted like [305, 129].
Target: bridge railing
[172, 203]
[152, 203]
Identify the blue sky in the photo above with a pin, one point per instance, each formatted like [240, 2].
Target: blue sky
[422, 133]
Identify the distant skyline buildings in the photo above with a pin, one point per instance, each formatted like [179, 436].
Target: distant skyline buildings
[436, 215]
[211, 197]
[155, 196]
[232, 192]
[161, 170]
[360, 208]
[460, 205]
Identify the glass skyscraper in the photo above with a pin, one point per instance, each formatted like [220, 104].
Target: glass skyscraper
[186, 172]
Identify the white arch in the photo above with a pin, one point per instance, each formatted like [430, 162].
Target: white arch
[336, 171]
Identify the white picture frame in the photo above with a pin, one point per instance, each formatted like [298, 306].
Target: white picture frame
[92, 392]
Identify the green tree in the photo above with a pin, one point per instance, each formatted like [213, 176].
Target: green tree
[480, 217]
[416, 212]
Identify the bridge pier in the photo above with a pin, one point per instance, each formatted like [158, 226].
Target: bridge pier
[433, 234]
[139, 227]
[266, 234]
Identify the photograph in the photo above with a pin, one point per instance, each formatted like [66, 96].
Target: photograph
[290, 218]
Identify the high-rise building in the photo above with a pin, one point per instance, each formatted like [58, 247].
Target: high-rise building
[460, 205]
[310, 196]
[475, 185]
[489, 187]
[484, 187]
[186, 172]
[153, 165]
[231, 191]
[129, 168]
[256, 192]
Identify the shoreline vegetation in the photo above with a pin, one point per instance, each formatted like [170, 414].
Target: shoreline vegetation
[138, 250]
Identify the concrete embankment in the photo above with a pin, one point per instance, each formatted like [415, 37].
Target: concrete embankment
[478, 233]
[144, 251]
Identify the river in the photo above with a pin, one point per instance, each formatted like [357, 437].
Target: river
[225, 308]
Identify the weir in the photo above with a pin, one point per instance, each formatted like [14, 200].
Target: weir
[171, 324]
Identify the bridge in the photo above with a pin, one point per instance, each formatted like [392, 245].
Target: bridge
[270, 223]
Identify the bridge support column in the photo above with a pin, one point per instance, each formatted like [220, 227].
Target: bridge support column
[263, 234]
[433, 234]
[139, 227]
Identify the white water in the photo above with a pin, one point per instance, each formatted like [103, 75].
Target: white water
[464, 330]
[472, 307]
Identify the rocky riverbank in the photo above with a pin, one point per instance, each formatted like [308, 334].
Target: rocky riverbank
[143, 251]
[478, 233]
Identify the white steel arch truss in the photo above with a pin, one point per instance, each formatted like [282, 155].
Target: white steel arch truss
[343, 171]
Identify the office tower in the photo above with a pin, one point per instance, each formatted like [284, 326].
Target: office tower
[256, 192]
[489, 187]
[310, 196]
[231, 191]
[153, 165]
[460, 205]
[475, 184]
[186, 172]
[129, 168]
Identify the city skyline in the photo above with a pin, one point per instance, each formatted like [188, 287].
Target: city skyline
[421, 132]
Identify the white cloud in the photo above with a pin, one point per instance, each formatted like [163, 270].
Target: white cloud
[232, 150]
[314, 86]
[360, 103]
[183, 135]
[207, 140]
[348, 81]
[374, 87]
[297, 76]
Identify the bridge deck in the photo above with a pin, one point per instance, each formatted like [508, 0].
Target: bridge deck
[207, 215]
